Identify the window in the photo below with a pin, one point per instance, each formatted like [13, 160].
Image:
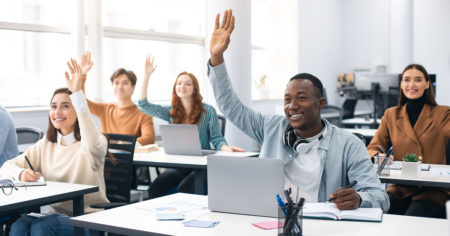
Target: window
[171, 58]
[171, 30]
[35, 46]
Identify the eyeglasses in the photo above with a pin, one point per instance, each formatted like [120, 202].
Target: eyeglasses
[8, 188]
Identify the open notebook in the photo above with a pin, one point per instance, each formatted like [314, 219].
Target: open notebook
[325, 210]
[6, 182]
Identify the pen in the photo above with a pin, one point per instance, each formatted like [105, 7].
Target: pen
[349, 186]
[381, 149]
[281, 204]
[29, 164]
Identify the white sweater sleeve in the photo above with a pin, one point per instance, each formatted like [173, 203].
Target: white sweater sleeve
[93, 143]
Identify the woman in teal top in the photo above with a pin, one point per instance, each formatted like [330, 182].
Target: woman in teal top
[187, 108]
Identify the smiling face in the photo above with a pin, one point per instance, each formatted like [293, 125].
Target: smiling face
[302, 104]
[62, 113]
[414, 84]
[123, 89]
[184, 88]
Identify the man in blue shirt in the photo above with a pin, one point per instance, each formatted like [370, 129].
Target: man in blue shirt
[319, 157]
[8, 137]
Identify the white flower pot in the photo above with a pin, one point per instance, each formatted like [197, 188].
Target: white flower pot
[411, 169]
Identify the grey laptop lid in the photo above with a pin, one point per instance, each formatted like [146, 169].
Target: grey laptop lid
[244, 185]
[181, 139]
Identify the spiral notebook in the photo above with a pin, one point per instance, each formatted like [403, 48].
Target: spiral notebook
[9, 182]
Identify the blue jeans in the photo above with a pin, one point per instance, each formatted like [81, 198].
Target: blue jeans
[54, 224]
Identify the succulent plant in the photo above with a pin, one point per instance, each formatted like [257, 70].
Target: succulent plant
[411, 157]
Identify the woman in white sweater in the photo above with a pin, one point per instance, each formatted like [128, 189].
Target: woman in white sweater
[72, 151]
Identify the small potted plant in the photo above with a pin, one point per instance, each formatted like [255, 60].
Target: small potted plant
[411, 165]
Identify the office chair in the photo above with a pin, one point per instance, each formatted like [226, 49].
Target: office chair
[447, 152]
[333, 114]
[119, 172]
[222, 122]
[348, 108]
[27, 136]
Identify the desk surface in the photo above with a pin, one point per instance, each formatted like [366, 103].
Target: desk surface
[132, 220]
[437, 176]
[161, 159]
[35, 196]
[359, 121]
[364, 132]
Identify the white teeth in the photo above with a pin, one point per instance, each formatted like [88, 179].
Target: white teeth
[297, 115]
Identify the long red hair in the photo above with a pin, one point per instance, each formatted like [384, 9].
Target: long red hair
[178, 113]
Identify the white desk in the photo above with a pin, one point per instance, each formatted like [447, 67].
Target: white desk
[360, 122]
[431, 178]
[131, 220]
[53, 192]
[368, 133]
[196, 163]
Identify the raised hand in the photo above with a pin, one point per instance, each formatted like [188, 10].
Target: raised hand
[86, 63]
[220, 38]
[150, 66]
[74, 83]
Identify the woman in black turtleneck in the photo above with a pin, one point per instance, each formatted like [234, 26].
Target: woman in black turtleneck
[417, 125]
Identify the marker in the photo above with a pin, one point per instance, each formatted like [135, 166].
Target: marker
[349, 186]
[29, 164]
[281, 204]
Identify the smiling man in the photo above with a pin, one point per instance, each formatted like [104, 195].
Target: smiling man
[319, 157]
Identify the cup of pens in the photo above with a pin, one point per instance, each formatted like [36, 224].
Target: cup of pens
[383, 165]
[290, 216]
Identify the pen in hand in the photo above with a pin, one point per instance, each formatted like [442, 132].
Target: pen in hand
[349, 186]
[29, 164]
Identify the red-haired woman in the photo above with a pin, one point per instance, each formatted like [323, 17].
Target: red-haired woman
[186, 108]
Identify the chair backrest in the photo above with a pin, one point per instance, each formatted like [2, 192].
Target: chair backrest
[118, 175]
[447, 152]
[333, 114]
[348, 108]
[28, 135]
[360, 136]
[222, 122]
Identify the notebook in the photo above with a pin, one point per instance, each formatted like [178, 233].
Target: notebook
[8, 182]
[181, 139]
[326, 210]
[244, 185]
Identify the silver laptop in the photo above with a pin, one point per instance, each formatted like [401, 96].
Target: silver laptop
[181, 139]
[245, 185]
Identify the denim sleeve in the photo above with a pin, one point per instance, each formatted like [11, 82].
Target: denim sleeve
[247, 120]
[162, 112]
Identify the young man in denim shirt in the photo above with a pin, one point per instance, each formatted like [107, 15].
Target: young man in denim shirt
[319, 157]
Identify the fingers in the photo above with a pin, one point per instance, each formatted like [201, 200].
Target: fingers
[29, 176]
[231, 25]
[224, 19]
[347, 199]
[217, 24]
[70, 67]
[236, 149]
[67, 76]
[228, 21]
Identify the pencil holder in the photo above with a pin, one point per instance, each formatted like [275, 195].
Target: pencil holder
[289, 223]
[383, 166]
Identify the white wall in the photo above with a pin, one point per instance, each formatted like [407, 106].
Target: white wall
[432, 42]
[365, 31]
[320, 42]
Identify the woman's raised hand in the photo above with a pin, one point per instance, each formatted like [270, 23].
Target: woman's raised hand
[74, 83]
[86, 63]
[150, 65]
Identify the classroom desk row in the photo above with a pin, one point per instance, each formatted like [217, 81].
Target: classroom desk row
[140, 219]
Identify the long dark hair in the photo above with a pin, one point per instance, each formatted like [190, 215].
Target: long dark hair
[178, 113]
[52, 132]
[428, 93]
